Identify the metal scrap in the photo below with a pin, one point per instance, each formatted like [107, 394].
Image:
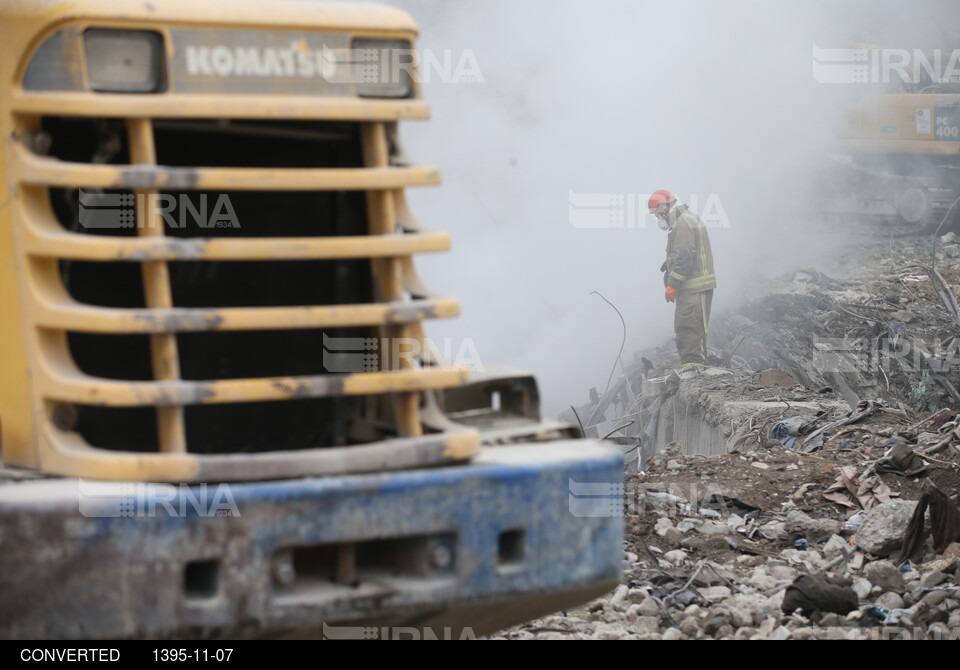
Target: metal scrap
[947, 296]
[864, 409]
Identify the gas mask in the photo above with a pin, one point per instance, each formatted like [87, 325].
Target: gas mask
[662, 220]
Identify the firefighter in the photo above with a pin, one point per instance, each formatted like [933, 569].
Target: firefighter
[687, 275]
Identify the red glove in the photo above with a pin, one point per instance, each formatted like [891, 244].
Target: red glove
[671, 294]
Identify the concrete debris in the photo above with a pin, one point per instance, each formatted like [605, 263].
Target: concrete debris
[799, 525]
[737, 535]
[884, 574]
[882, 531]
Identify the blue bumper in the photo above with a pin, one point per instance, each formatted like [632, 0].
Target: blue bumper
[476, 548]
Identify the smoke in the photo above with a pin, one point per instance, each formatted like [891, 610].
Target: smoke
[714, 101]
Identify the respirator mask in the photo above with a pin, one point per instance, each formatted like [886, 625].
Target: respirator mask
[661, 215]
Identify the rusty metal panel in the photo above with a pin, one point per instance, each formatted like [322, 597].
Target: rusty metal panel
[147, 561]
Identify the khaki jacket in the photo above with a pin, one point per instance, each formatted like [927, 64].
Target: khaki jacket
[689, 265]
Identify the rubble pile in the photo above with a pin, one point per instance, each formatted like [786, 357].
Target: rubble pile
[805, 485]
[750, 546]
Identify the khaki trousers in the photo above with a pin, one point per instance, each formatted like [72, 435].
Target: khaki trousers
[691, 325]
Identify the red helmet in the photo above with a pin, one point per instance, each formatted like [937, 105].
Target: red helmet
[661, 198]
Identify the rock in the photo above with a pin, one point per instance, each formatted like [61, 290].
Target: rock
[637, 596]
[911, 575]
[885, 575]
[620, 594]
[799, 524]
[890, 600]
[745, 633]
[748, 561]
[757, 606]
[768, 626]
[952, 251]
[672, 634]
[862, 587]
[648, 607]
[673, 537]
[712, 544]
[715, 594]
[724, 632]
[854, 618]
[760, 580]
[646, 625]
[805, 633]
[662, 525]
[613, 616]
[783, 573]
[935, 598]
[940, 565]
[677, 557]
[690, 626]
[780, 633]
[760, 466]
[882, 531]
[830, 619]
[713, 625]
[932, 579]
[836, 546]
[714, 528]
[603, 631]
[674, 465]
[775, 377]
[740, 618]
[810, 559]
[773, 530]
[631, 557]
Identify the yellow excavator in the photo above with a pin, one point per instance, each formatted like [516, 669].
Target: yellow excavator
[898, 151]
[219, 414]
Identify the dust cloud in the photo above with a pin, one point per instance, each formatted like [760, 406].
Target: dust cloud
[713, 100]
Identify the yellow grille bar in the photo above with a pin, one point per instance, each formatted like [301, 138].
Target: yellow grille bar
[63, 315]
[381, 211]
[85, 390]
[218, 106]
[158, 295]
[41, 171]
[66, 453]
[48, 242]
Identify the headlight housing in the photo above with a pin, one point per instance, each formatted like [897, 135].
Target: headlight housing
[124, 61]
[383, 68]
